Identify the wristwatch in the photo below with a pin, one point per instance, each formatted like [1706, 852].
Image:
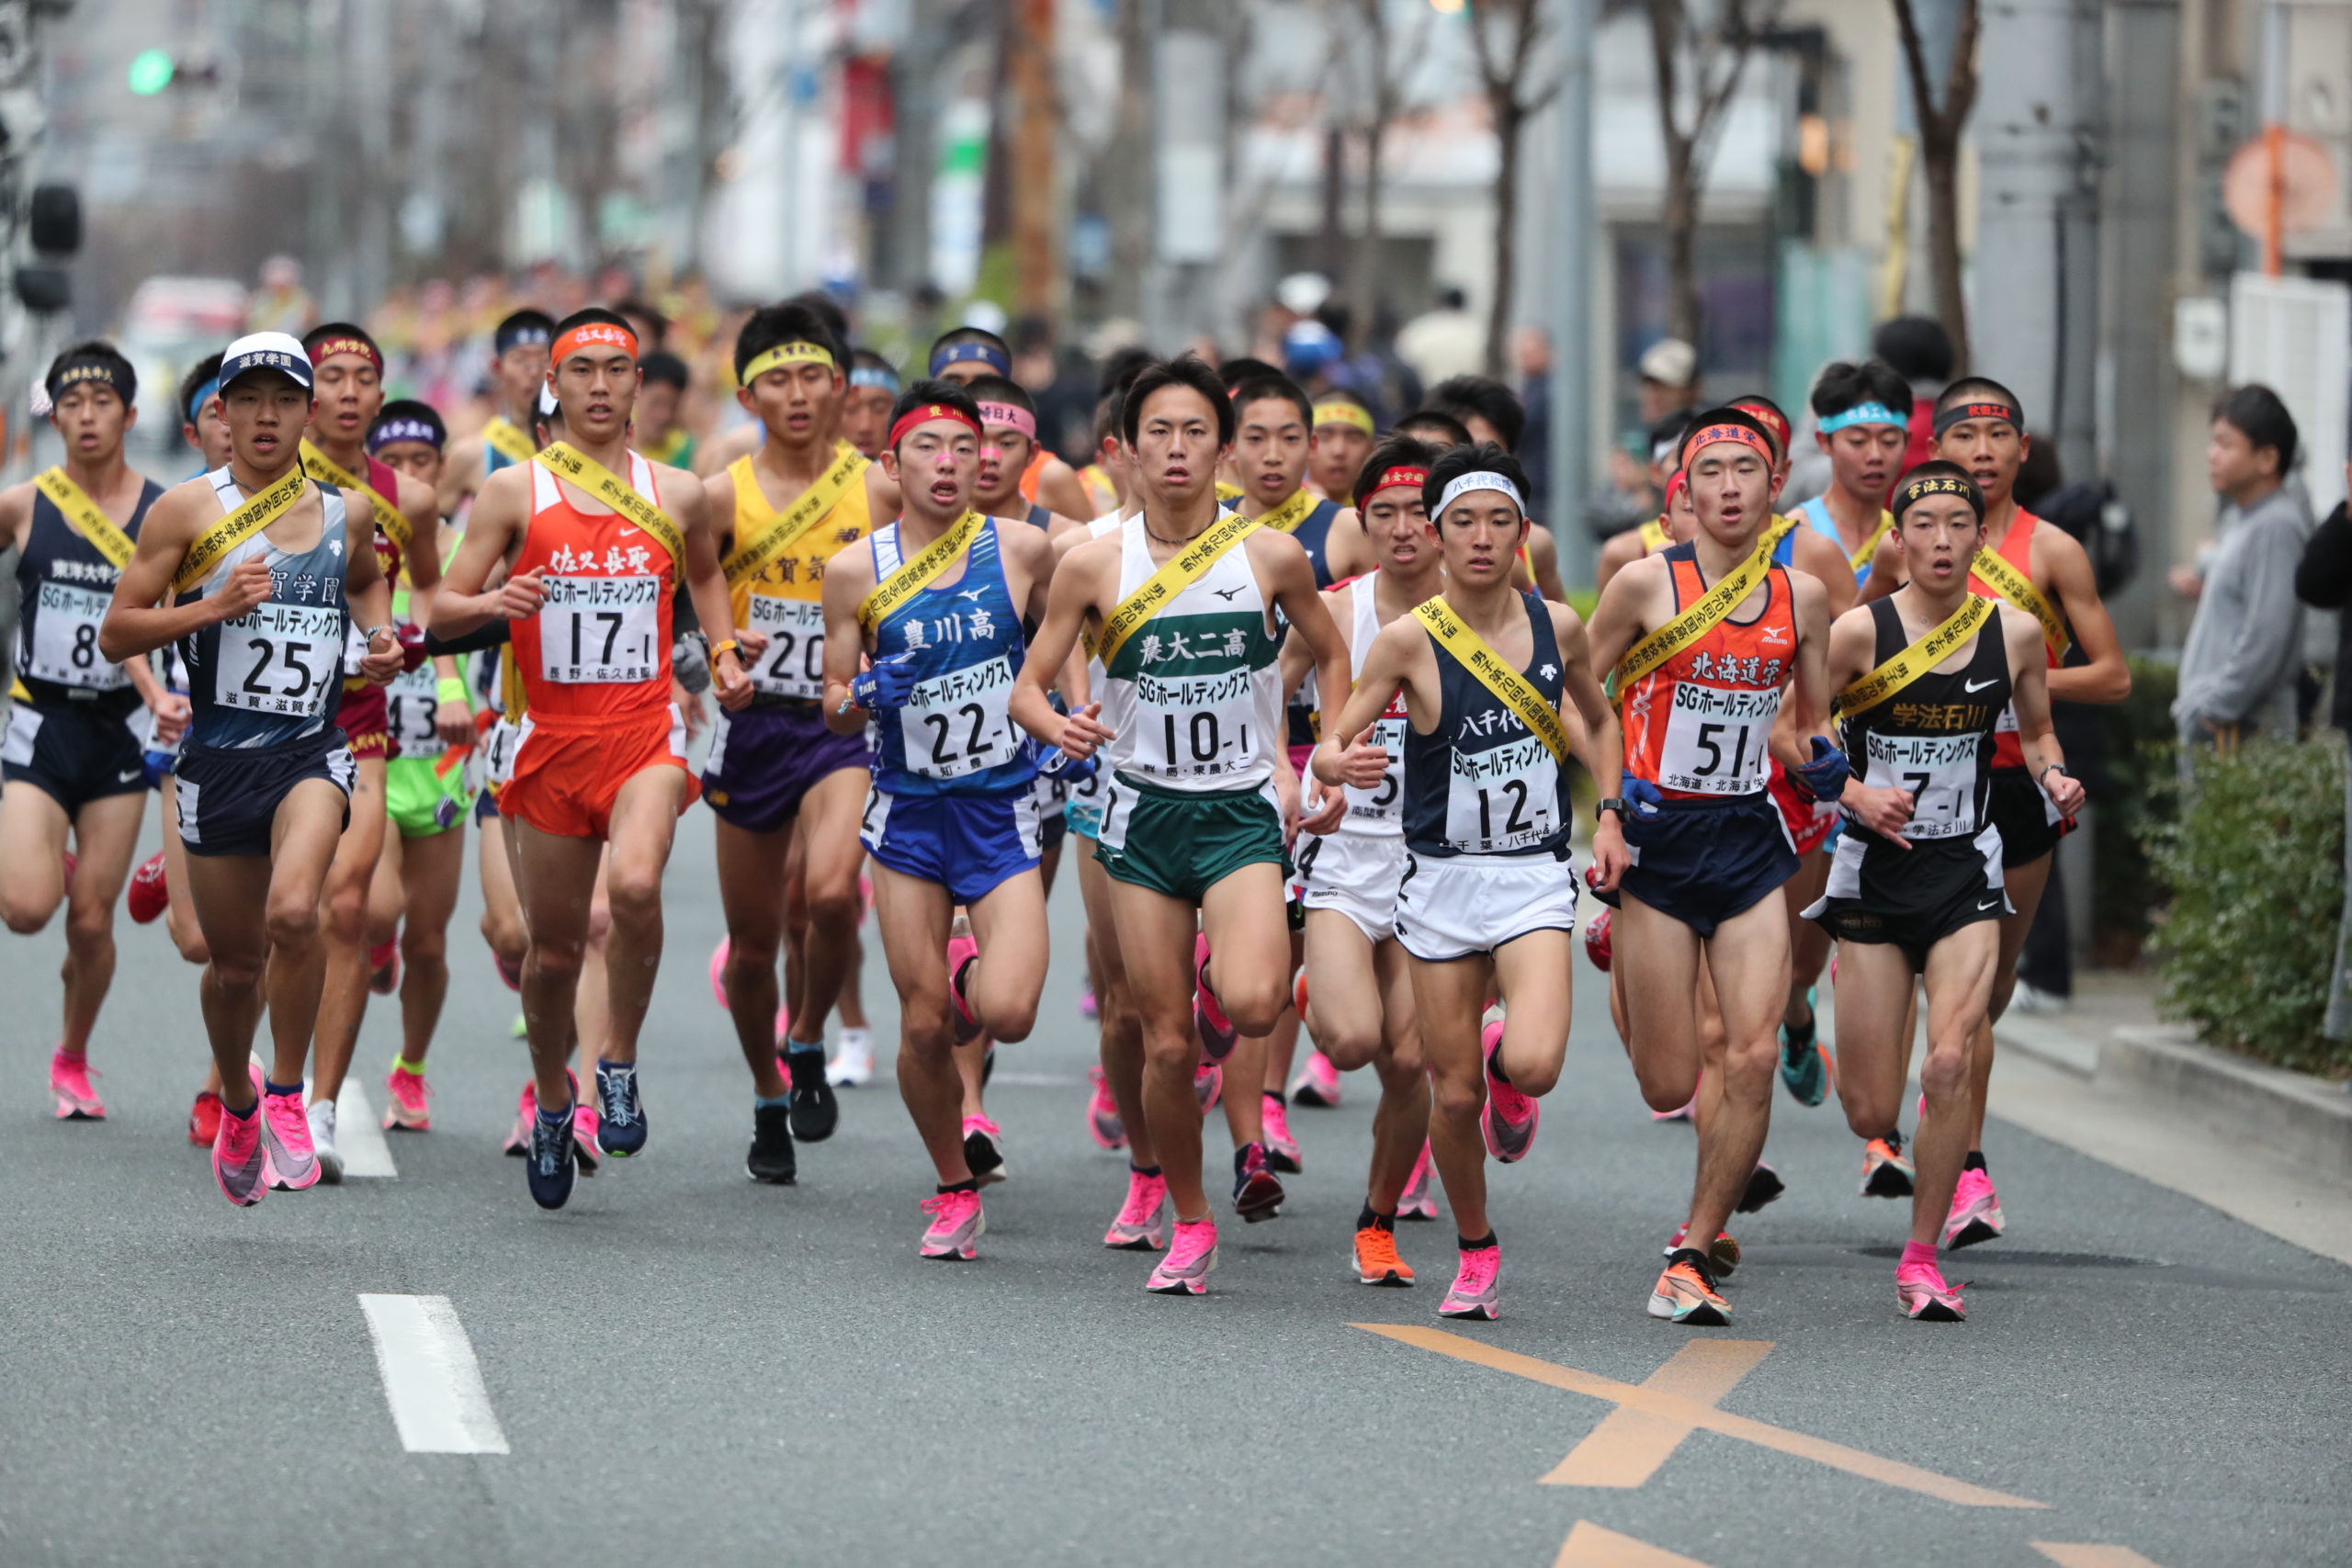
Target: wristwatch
[1613, 802]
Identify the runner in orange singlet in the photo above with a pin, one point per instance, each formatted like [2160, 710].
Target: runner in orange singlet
[601, 759]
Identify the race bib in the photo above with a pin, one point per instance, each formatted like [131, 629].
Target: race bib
[1502, 799]
[956, 724]
[1716, 738]
[411, 703]
[1382, 808]
[1195, 727]
[285, 660]
[600, 630]
[2008, 723]
[1940, 773]
[65, 639]
[794, 664]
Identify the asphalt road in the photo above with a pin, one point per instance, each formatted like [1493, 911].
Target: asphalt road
[685, 1367]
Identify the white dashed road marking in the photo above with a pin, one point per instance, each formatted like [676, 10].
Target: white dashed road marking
[431, 1381]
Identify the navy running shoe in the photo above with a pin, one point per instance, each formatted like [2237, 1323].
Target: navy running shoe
[548, 1167]
[621, 1133]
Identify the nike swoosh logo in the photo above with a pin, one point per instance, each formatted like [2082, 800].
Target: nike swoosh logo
[1977, 685]
[1982, 908]
[627, 532]
[126, 778]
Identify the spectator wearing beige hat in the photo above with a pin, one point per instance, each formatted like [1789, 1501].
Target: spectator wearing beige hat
[1669, 370]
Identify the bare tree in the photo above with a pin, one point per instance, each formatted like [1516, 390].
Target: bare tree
[1716, 50]
[1940, 125]
[1508, 36]
[1386, 69]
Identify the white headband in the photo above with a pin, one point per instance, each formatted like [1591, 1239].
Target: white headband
[1482, 479]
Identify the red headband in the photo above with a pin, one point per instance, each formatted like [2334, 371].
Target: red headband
[587, 334]
[1674, 487]
[1770, 420]
[328, 347]
[1400, 475]
[1709, 434]
[924, 415]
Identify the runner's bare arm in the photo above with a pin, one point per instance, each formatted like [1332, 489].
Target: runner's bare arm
[1347, 549]
[1810, 692]
[1346, 754]
[1625, 611]
[1816, 554]
[1599, 739]
[718, 496]
[883, 501]
[849, 578]
[1086, 575]
[15, 511]
[1030, 552]
[1062, 491]
[494, 532]
[366, 593]
[705, 583]
[1297, 660]
[134, 626]
[2107, 677]
[717, 453]
[462, 476]
[419, 504]
[1617, 552]
[1543, 564]
[2029, 683]
[1283, 566]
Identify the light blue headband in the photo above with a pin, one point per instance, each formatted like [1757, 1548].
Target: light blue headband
[1862, 413]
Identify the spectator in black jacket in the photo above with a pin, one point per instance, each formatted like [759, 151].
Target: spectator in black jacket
[2323, 580]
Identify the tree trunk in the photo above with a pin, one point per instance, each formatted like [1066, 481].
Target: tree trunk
[1332, 236]
[1681, 221]
[1942, 156]
[1126, 170]
[1364, 270]
[1509, 122]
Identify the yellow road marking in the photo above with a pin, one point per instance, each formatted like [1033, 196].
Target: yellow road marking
[2084, 1554]
[1589, 1546]
[1631, 1442]
[1691, 1413]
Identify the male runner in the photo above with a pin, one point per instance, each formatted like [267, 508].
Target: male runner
[2043, 571]
[592, 558]
[428, 793]
[270, 569]
[1860, 422]
[518, 369]
[1182, 598]
[1487, 904]
[782, 514]
[349, 372]
[865, 407]
[1924, 676]
[938, 600]
[1489, 410]
[966, 355]
[71, 755]
[1355, 978]
[1345, 435]
[660, 428]
[1704, 639]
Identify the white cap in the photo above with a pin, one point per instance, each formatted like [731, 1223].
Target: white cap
[1671, 362]
[280, 351]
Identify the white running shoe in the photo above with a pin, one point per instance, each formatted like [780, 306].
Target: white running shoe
[852, 1064]
[322, 1117]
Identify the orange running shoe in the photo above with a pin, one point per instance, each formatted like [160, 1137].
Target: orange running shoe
[1376, 1260]
[1686, 1293]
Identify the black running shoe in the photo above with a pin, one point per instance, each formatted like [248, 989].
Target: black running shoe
[814, 1109]
[1764, 1184]
[1257, 1191]
[772, 1159]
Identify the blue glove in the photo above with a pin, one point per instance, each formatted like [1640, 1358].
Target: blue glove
[1645, 809]
[886, 685]
[1825, 777]
[1053, 762]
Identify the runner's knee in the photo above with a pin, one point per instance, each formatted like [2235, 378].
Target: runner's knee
[88, 924]
[292, 923]
[24, 916]
[1458, 1096]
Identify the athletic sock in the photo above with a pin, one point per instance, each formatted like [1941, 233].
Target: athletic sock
[969, 1184]
[1478, 1245]
[1368, 1216]
[269, 1087]
[1975, 1161]
[403, 1065]
[245, 1115]
[762, 1101]
[1917, 1252]
[1143, 1170]
[795, 1047]
[1277, 1096]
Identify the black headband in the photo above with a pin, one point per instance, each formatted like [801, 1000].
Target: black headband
[84, 369]
[1978, 408]
[1914, 490]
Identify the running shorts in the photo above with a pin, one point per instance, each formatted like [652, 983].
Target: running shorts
[1912, 897]
[1051, 797]
[491, 764]
[75, 753]
[1450, 907]
[1705, 861]
[2030, 825]
[425, 795]
[365, 717]
[765, 760]
[1356, 874]
[969, 844]
[568, 772]
[1185, 843]
[229, 796]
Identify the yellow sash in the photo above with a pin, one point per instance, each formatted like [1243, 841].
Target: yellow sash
[512, 441]
[258, 512]
[1472, 652]
[1654, 538]
[82, 512]
[1862, 557]
[1695, 622]
[1286, 518]
[2018, 590]
[1183, 569]
[1228, 490]
[1916, 659]
[782, 530]
[566, 462]
[913, 576]
[389, 516]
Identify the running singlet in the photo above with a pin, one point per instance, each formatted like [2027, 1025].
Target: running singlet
[784, 598]
[963, 641]
[271, 675]
[2017, 549]
[599, 648]
[1314, 536]
[1376, 813]
[1196, 694]
[1932, 737]
[1697, 725]
[412, 701]
[1816, 513]
[63, 585]
[1479, 783]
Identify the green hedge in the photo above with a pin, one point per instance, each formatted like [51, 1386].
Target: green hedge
[2256, 862]
[2138, 802]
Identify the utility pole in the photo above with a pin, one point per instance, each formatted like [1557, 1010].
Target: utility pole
[1188, 164]
[1572, 226]
[1037, 188]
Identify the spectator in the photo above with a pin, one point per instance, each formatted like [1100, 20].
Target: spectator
[2323, 580]
[1920, 351]
[280, 305]
[1443, 343]
[1669, 379]
[662, 433]
[2239, 670]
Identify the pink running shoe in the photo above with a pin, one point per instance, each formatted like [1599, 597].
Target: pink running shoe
[1509, 1117]
[404, 1109]
[1141, 1225]
[293, 1164]
[1281, 1149]
[962, 950]
[956, 1226]
[238, 1164]
[585, 1125]
[1975, 1213]
[69, 1081]
[1184, 1271]
[1925, 1297]
[1103, 1114]
[718, 973]
[150, 893]
[984, 1150]
[204, 1119]
[1317, 1082]
[1418, 1202]
[1473, 1293]
[1208, 1082]
[518, 1139]
[509, 973]
[1086, 1006]
[1216, 1031]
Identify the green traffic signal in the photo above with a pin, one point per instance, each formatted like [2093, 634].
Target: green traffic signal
[150, 72]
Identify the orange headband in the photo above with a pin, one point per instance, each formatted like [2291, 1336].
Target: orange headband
[588, 334]
[1709, 434]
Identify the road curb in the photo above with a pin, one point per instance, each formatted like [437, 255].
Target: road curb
[2292, 1114]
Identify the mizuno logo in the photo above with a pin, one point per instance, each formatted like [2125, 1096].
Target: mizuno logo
[1977, 685]
[1225, 593]
[1774, 635]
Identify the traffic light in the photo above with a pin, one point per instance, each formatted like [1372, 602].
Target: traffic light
[152, 70]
